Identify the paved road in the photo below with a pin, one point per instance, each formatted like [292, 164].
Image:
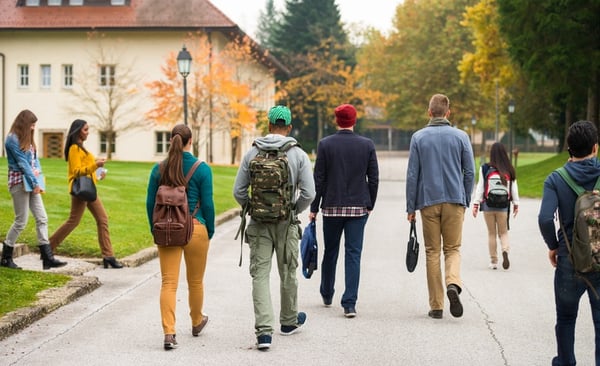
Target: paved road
[508, 317]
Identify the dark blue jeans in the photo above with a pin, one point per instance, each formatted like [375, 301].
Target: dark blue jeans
[353, 229]
[568, 289]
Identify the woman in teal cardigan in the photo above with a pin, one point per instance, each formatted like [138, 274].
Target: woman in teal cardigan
[200, 189]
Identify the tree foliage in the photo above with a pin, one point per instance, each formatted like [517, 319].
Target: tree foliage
[557, 45]
[268, 20]
[489, 62]
[216, 79]
[305, 24]
[419, 58]
[323, 82]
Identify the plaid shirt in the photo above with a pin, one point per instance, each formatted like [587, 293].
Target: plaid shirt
[14, 178]
[344, 211]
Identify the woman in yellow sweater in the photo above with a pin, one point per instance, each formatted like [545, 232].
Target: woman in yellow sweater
[80, 163]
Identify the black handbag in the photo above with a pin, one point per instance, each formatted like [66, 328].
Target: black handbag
[84, 188]
[412, 249]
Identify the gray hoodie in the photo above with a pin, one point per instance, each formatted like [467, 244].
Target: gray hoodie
[300, 171]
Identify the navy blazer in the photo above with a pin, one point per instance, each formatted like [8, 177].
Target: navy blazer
[346, 172]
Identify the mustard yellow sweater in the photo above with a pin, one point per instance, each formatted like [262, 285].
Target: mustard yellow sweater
[80, 163]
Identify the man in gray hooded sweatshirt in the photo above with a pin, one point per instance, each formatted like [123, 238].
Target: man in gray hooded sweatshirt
[281, 237]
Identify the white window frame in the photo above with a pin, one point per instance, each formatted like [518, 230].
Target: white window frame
[163, 142]
[104, 144]
[23, 81]
[106, 76]
[67, 78]
[54, 2]
[117, 2]
[45, 76]
[75, 2]
[32, 2]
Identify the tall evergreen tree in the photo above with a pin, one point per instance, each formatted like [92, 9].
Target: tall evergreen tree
[304, 26]
[269, 20]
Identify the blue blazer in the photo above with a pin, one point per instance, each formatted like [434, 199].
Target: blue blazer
[346, 172]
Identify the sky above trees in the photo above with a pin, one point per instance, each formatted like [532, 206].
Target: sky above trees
[378, 13]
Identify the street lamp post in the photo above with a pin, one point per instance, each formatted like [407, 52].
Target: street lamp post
[184, 63]
[511, 110]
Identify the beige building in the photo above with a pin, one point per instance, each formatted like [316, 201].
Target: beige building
[54, 52]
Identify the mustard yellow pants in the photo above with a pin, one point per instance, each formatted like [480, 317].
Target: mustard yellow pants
[194, 254]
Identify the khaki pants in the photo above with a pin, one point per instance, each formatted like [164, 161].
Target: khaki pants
[263, 240]
[442, 222]
[194, 254]
[497, 226]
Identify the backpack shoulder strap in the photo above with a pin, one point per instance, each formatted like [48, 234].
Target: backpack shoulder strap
[570, 182]
[187, 180]
[191, 172]
[485, 169]
[288, 145]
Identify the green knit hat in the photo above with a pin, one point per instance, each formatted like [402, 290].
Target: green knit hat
[280, 112]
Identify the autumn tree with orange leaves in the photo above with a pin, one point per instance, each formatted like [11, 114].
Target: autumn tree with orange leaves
[241, 97]
[219, 95]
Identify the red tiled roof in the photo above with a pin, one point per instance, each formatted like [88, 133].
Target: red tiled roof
[143, 14]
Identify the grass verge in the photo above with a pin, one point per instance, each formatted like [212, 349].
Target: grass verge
[28, 283]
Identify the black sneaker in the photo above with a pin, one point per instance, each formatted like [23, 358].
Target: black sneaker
[291, 329]
[326, 301]
[456, 308]
[263, 342]
[436, 314]
[350, 312]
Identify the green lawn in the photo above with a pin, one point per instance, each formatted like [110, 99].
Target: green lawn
[531, 176]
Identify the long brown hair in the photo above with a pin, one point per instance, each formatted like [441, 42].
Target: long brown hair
[21, 127]
[499, 160]
[171, 170]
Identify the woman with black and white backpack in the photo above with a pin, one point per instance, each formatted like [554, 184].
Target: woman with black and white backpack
[498, 172]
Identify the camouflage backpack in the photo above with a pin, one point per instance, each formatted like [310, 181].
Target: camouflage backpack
[270, 185]
[584, 248]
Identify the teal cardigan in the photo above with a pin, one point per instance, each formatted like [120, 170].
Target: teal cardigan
[200, 188]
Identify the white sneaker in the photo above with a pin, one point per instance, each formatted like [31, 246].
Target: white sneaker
[493, 266]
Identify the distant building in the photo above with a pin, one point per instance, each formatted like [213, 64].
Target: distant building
[45, 48]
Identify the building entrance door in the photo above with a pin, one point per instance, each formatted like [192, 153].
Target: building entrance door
[53, 144]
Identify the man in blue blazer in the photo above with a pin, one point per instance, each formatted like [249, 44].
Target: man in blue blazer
[346, 180]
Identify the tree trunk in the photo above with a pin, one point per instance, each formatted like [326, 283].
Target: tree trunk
[234, 148]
